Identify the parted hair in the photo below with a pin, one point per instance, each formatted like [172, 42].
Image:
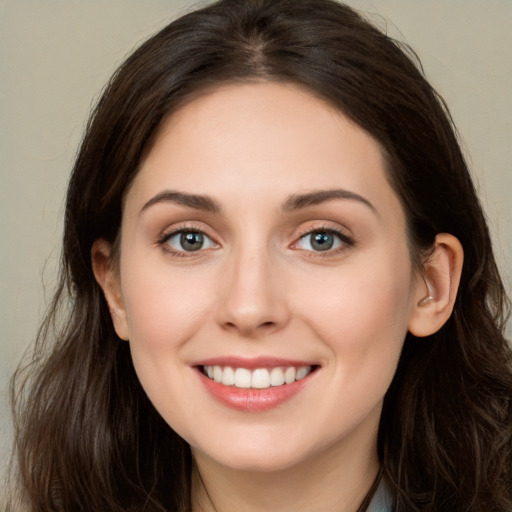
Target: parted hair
[87, 437]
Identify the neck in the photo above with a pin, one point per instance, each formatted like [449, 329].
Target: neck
[336, 480]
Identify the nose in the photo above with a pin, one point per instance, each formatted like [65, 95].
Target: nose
[253, 298]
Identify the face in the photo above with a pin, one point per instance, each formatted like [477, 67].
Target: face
[265, 283]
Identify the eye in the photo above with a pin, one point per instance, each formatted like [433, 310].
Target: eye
[188, 241]
[323, 240]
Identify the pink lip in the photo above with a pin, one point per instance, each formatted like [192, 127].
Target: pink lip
[252, 363]
[252, 400]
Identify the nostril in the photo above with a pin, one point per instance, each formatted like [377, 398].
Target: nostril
[247, 329]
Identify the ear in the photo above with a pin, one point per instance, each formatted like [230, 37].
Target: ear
[436, 287]
[107, 276]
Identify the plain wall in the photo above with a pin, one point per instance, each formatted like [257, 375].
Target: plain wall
[56, 55]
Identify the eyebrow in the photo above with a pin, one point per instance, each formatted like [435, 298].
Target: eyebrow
[195, 201]
[300, 201]
[293, 203]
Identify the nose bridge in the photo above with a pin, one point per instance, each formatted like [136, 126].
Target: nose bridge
[253, 298]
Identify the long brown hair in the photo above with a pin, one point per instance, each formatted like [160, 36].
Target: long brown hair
[87, 437]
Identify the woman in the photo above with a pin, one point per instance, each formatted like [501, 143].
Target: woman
[278, 289]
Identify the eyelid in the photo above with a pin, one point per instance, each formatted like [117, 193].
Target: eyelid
[346, 241]
[181, 228]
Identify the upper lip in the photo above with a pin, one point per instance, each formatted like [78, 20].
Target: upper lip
[252, 363]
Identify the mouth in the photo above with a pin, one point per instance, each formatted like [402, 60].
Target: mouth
[255, 385]
[258, 378]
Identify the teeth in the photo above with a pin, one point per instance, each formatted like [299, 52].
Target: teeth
[228, 376]
[302, 372]
[276, 377]
[260, 378]
[217, 374]
[289, 375]
[242, 378]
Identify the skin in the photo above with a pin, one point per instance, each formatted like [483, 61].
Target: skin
[259, 289]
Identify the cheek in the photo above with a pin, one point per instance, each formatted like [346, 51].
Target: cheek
[362, 312]
[164, 307]
[362, 321]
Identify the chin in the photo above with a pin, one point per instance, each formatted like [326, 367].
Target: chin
[260, 461]
[263, 451]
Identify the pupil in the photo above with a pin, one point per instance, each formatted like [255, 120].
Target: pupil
[321, 241]
[191, 241]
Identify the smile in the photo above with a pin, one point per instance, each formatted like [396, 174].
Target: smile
[258, 378]
[254, 385]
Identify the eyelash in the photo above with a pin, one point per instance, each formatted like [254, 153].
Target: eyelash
[164, 239]
[345, 241]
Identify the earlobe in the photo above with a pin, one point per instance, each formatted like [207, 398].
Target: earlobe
[107, 277]
[436, 287]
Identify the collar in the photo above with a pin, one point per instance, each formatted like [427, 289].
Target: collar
[382, 500]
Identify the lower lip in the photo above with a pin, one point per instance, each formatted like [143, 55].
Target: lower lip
[252, 400]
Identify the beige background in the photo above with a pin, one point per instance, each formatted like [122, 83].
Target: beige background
[55, 56]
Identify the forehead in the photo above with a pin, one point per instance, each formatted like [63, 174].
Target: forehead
[271, 139]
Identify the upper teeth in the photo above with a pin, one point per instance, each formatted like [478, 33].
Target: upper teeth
[260, 378]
